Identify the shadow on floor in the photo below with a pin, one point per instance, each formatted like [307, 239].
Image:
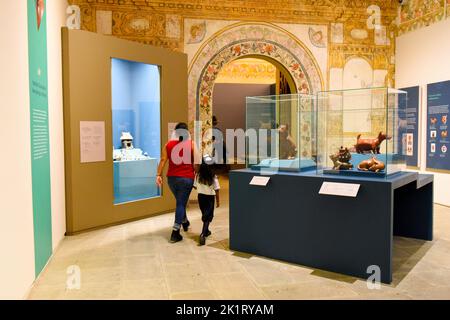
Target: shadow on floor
[407, 253]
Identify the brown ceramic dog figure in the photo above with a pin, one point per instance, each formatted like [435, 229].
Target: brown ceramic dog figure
[372, 164]
[368, 144]
[341, 159]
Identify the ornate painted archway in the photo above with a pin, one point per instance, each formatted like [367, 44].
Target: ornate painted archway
[248, 39]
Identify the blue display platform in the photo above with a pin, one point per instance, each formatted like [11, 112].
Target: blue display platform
[289, 220]
[357, 158]
[135, 180]
[292, 165]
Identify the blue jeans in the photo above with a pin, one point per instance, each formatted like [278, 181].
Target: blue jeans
[181, 189]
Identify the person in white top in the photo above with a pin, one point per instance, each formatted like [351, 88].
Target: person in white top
[207, 185]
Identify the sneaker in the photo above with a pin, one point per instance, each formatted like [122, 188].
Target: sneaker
[176, 236]
[208, 234]
[186, 225]
[202, 240]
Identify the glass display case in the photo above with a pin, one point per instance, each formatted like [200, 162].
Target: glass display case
[136, 125]
[281, 133]
[361, 132]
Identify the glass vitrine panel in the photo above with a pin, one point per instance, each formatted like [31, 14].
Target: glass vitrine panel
[362, 132]
[136, 125]
[281, 132]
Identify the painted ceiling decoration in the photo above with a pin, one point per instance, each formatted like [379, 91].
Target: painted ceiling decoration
[306, 37]
[415, 14]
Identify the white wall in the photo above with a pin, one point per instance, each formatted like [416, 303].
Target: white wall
[56, 17]
[16, 214]
[423, 57]
[16, 211]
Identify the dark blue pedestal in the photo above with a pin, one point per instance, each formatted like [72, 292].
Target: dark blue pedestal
[289, 220]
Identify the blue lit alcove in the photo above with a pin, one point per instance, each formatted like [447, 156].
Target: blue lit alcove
[136, 109]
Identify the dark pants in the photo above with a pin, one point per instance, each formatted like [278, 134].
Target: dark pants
[181, 189]
[206, 204]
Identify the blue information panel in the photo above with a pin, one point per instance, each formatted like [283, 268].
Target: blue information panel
[410, 140]
[438, 99]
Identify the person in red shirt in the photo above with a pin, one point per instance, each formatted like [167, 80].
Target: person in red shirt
[180, 153]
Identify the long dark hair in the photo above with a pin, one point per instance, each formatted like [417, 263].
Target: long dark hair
[206, 173]
[180, 130]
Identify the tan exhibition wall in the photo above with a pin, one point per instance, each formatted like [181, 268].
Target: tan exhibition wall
[87, 97]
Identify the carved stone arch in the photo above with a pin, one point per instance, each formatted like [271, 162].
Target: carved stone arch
[245, 40]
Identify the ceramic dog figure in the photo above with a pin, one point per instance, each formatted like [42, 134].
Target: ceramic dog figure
[373, 164]
[369, 144]
[341, 159]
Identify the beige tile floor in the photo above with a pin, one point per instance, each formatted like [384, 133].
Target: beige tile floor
[135, 261]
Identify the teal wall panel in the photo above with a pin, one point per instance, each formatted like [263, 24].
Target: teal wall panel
[40, 147]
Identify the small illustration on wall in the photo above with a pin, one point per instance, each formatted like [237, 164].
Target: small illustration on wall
[140, 24]
[433, 134]
[173, 26]
[317, 38]
[409, 144]
[337, 32]
[359, 34]
[40, 7]
[381, 36]
[197, 32]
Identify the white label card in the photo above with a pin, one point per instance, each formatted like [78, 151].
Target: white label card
[340, 189]
[260, 181]
[92, 141]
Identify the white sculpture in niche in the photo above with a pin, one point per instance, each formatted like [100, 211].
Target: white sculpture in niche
[128, 152]
[127, 140]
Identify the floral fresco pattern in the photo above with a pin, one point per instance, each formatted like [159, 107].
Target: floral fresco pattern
[420, 13]
[247, 40]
